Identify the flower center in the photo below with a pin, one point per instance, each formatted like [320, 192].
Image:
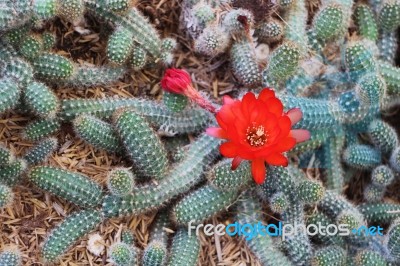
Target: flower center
[256, 136]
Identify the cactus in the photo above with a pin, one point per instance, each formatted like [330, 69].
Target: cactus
[6, 156]
[11, 174]
[154, 254]
[9, 92]
[383, 136]
[333, 204]
[202, 204]
[6, 196]
[373, 193]
[354, 221]
[178, 180]
[14, 14]
[69, 231]
[122, 254]
[185, 249]
[120, 181]
[244, 64]
[387, 45]
[94, 76]
[329, 23]
[212, 41]
[392, 241]
[138, 58]
[380, 212]
[359, 60]
[20, 71]
[175, 102]
[188, 121]
[143, 146]
[365, 20]
[389, 15]
[318, 138]
[158, 233]
[369, 258]
[31, 47]
[395, 159]
[96, 132]
[331, 163]
[223, 178]
[127, 237]
[120, 45]
[203, 13]
[382, 176]
[71, 186]
[310, 191]
[233, 25]
[53, 67]
[40, 129]
[271, 31]
[115, 5]
[391, 77]
[279, 202]
[329, 256]
[45, 9]
[362, 157]
[283, 63]
[41, 151]
[11, 257]
[49, 40]
[296, 22]
[329, 240]
[41, 100]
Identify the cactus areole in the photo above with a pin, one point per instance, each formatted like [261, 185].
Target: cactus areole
[257, 129]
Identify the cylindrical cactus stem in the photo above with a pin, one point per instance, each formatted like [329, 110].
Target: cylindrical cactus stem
[362, 157]
[310, 191]
[232, 24]
[11, 174]
[212, 41]
[11, 257]
[365, 20]
[41, 129]
[119, 6]
[202, 204]
[138, 58]
[296, 23]
[320, 218]
[329, 256]
[387, 45]
[94, 76]
[70, 10]
[68, 232]
[283, 63]
[373, 193]
[175, 102]
[49, 41]
[97, 132]
[31, 47]
[15, 36]
[143, 145]
[203, 13]
[270, 31]
[389, 15]
[279, 179]
[155, 254]
[183, 176]
[354, 222]
[14, 14]
[331, 164]
[382, 213]
[120, 45]
[279, 202]
[41, 152]
[53, 67]
[6, 196]
[370, 258]
[244, 63]
[383, 136]
[45, 9]
[382, 176]
[223, 178]
[41, 100]
[332, 204]
[120, 181]
[71, 186]
[6, 156]
[329, 23]
[318, 137]
[127, 237]
[190, 120]
[392, 240]
[391, 75]
[122, 254]
[359, 60]
[157, 231]
[185, 249]
[395, 160]
[262, 246]
[10, 93]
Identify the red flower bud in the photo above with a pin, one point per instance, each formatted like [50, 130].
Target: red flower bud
[176, 81]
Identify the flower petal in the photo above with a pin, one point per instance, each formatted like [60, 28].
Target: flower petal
[277, 159]
[235, 162]
[300, 134]
[258, 171]
[295, 115]
[275, 106]
[227, 100]
[216, 132]
[266, 94]
[228, 149]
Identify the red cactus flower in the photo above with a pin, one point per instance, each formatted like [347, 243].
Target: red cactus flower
[257, 129]
[178, 81]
